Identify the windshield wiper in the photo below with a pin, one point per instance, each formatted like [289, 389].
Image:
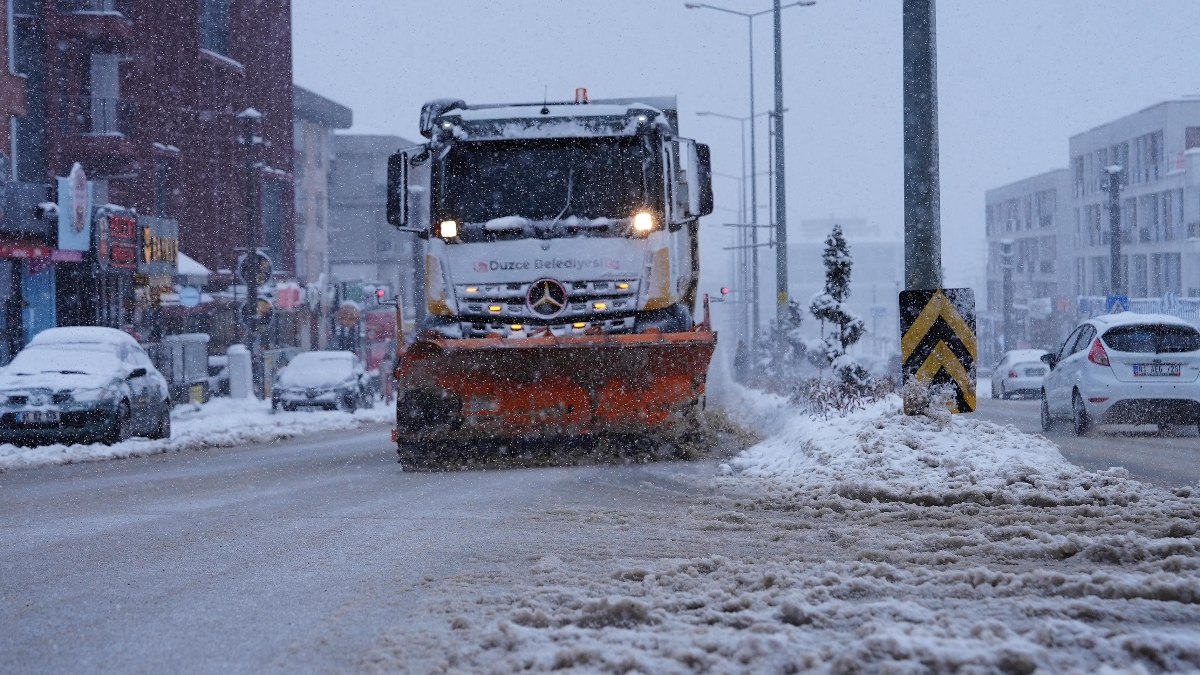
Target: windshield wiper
[570, 190]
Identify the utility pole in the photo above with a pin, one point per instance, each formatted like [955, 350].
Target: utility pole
[1116, 282]
[781, 287]
[922, 189]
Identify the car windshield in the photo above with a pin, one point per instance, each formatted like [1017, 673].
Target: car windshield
[1153, 338]
[75, 359]
[502, 189]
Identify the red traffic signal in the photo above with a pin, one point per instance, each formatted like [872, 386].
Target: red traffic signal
[379, 293]
[724, 290]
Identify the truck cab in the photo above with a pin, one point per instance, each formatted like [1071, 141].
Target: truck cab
[553, 218]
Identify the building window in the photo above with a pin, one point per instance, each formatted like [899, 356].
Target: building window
[1191, 138]
[1137, 277]
[1045, 208]
[214, 26]
[272, 222]
[162, 186]
[1077, 171]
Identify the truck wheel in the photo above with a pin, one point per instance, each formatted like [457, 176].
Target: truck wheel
[413, 456]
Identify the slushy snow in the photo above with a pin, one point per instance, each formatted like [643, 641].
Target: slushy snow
[872, 542]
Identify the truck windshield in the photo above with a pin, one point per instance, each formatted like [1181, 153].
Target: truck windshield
[523, 187]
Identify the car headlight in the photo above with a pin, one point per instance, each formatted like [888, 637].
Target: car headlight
[94, 395]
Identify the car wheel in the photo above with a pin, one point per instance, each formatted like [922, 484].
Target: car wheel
[164, 422]
[122, 427]
[350, 403]
[1079, 417]
[1047, 420]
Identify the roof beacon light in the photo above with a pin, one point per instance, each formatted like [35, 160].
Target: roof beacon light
[581, 95]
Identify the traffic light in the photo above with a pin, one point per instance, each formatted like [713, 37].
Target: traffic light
[724, 290]
[379, 293]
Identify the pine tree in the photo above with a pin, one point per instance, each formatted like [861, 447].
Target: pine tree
[830, 309]
[781, 353]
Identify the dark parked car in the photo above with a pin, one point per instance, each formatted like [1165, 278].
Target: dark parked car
[82, 384]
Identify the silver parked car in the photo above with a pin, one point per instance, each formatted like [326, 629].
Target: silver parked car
[1125, 369]
[1019, 373]
[322, 379]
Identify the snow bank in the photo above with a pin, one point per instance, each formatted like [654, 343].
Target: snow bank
[881, 454]
[874, 542]
[220, 423]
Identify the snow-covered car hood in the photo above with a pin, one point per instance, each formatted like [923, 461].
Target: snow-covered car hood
[314, 379]
[53, 381]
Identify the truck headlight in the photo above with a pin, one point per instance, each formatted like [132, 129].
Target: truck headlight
[448, 229]
[643, 222]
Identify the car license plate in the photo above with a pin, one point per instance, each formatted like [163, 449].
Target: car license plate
[38, 417]
[1156, 369]
[1034, 372]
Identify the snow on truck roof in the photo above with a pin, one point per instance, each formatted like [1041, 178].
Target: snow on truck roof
[605, 117]
[556, 110]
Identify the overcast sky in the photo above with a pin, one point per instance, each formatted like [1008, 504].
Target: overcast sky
[1016, 79]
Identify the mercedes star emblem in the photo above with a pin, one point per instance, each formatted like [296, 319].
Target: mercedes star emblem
[546, 298]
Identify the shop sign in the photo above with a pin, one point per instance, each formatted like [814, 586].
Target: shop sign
[74, 211]
[34, 252]
[116, 242]
[160, 247]
[347, 316]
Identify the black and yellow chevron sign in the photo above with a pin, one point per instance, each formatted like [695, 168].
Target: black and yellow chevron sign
[937, 340]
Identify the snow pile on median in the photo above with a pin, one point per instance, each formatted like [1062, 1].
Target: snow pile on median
[873, 542]
[880, 453]
[220, 423]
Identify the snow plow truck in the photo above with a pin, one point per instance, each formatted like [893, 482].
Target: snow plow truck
[561, 263]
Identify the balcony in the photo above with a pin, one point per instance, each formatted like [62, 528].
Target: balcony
[93, 6]
[99, 116]
[105, 21]
[98, 131]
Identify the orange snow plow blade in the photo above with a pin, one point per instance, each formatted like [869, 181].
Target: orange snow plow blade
[459, 389]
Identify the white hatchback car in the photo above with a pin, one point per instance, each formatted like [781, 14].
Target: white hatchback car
[1019, 373]
[1125, 369]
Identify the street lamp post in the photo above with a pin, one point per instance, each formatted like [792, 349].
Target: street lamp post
[749, 16]
[751, 209]
[1116, 280]
[251, 118]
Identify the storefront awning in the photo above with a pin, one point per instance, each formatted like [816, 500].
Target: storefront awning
[188, 267]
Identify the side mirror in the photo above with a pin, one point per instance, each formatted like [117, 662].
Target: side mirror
[1050, 360]
[136, 373]
[397, 190]
[704, 177]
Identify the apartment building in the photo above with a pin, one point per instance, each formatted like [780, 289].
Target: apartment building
[1156, 150]
[1028, 229]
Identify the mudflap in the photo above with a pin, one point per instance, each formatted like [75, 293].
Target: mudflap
[540, 387]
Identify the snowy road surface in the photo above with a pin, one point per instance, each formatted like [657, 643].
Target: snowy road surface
[1168, 460]
[867, 543]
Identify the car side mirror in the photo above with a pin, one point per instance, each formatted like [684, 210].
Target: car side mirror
[136, 373]
[1050, 360]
